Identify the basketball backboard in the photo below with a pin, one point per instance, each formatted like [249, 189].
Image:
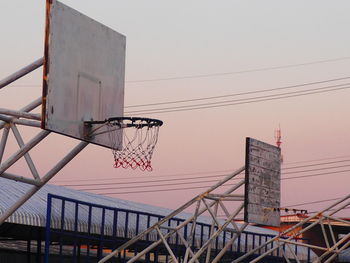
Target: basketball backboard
[262, 183]
[84, 69]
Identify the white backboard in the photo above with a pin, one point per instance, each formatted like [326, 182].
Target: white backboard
[262, 183]
[84, 72]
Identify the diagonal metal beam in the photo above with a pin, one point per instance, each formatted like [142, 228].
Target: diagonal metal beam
[23, 150]
[166, 244]
[294, 228]
[44, 180]
[27, 157]
[214, 236]
[229, 243]
[171, 215]
[3, 141]
[193, 228]
[22, 72]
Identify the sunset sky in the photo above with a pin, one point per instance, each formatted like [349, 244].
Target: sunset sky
[182, 50]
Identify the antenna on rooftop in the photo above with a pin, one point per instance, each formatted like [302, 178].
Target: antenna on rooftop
[278, 136]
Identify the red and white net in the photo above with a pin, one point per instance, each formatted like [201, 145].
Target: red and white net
[138, 136]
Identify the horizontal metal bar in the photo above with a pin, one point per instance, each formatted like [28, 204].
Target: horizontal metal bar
[31, 106]
[36, 124]
[225, 195]
[227, 198]
[22, 179]
[300, 244]
[22, 72]
[21, 114]
[5, 118]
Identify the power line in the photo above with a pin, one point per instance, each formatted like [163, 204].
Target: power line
[219, 73]
[238, 72]
[202, 187]
[321, 159]
[241, 93]
[193, 107]
[198, 177]
[185, 179]
[316, 202]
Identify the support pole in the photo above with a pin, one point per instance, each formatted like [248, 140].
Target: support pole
[44, 180]
[22, 72]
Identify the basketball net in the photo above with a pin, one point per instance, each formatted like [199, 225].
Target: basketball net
[139, 138]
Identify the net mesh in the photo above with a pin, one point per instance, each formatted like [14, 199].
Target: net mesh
[138, 137]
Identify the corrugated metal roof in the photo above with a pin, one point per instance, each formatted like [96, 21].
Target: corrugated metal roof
[33, 212]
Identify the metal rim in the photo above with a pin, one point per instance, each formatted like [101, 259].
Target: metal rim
[140, 121]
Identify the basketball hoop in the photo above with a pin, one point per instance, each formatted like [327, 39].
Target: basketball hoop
[133, 139]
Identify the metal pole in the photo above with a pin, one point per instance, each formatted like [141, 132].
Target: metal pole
[44, 180]
[22, 179]
[31, 106]
[22, 72]
[27, 157]
[4, 137]
[229, 244]
[21, 114]
[216, 234]
[36, 124]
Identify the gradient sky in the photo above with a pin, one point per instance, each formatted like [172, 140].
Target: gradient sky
[168, 39]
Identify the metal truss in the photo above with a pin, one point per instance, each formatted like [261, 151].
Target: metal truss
[209, 202]
[9, 120]
[325, 219]
[283, 244]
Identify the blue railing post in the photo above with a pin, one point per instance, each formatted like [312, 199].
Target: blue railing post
[48, 228]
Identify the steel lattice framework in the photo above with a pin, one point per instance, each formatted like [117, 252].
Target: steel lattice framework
[209, 202]
[10, 119]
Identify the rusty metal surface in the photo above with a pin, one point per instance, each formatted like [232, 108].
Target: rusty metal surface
[262, 183]
[84, 69]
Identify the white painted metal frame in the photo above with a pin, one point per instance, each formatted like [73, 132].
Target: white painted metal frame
[210, 202]
[206, 202]
[9, 119]
[323, 218]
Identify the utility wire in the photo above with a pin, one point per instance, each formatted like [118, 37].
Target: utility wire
[240, 71]
[244, 101]
[209, 176]
[182, 174]
[202, 187]
[315, 202]
[241, 93]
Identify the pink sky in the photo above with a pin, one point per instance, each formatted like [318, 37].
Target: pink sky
[169, 40]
